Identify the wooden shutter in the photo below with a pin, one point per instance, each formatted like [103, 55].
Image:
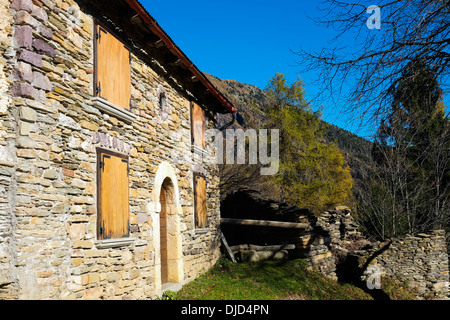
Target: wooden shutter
[113, 70]
[200, 201]
[113, 194]
[198, 125]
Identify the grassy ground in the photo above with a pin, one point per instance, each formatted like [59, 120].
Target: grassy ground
[275, 280]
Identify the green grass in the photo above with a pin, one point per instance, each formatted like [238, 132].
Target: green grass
[271, 280]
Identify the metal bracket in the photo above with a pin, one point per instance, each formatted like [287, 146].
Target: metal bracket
[127, 234]
[98, 89]
[102, 232]
[102, 162]
[99, 33]
[128, 166]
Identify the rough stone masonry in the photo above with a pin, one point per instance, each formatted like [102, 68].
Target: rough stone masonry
[50, 128]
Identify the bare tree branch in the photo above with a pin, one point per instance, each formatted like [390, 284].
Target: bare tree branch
[410, 30]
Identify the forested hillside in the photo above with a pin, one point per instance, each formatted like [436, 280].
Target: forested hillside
[251, 100]
[248, 99]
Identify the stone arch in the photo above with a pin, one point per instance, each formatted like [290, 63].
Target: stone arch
[166, 227]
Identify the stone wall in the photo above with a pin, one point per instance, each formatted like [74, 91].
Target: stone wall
[333, 234]
[8, 159]
[420, 261]
[334, 246]
[337, 249]
[49, 132]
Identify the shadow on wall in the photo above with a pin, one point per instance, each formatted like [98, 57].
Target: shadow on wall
[350, 270]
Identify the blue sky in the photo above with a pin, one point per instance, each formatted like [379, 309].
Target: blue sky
[248, 40]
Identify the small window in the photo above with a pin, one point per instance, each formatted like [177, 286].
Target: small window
[113, 195]
[113, 69]
[198, 126]
[163, 103]
[200, 201]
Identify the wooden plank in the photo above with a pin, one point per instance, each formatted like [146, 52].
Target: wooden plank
[200, 201]
[239, 247]
[265, 223]
[198, 125]
[114, 196]
[262, 248]
[123, 198]
[113, 69]
[107, 209]
[272, 247]
[227, 248]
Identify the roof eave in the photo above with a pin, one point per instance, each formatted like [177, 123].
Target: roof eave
[157, 30]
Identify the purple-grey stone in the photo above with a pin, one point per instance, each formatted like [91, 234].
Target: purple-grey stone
[39, 14]
[30, 57]
[26, 5]
[43, 47]
[23, 89]
[96, 138]
[23, 36]
[45, 32]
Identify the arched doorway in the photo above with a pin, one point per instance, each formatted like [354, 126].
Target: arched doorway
[167, 229]
[168, 234]
[165, 199]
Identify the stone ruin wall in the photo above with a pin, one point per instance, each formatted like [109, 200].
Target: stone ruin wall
[331, 234]
[333, 245]
[421, 261]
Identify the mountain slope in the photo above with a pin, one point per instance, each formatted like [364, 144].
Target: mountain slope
[250, 101]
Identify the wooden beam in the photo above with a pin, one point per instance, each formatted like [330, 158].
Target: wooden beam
[266, 223]
[262, 248]
[158, 43]
[227, 248]
[136, 20]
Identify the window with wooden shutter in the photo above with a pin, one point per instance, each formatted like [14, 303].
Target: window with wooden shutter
[113, 70]
[198, 125]
[113, 195]
[200, 201]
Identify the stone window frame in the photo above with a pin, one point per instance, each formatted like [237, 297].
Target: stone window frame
[99, 102]
[163, 102]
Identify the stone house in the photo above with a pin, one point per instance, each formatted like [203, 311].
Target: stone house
[108, 189]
